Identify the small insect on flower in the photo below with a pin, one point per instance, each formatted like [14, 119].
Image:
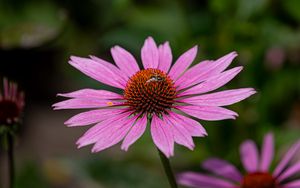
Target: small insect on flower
[164, 95]
[155, 78]
[257, 167]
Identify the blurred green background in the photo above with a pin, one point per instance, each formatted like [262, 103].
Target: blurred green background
[38, 36]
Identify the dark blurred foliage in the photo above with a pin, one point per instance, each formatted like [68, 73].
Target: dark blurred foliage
[38, 36]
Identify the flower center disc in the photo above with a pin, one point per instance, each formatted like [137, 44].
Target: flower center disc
[150, 91]
[8, 111]
[259, 180]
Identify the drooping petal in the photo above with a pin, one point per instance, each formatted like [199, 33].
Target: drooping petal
[92, 94]
[222, 168]
[6, 88]
[249, 156]
[98, 71]
[21, 100]
[198, 180]
[267, 153]
[165, 57]
[209, 113]
[287, 158]
[135, 133]
[14, 91]
[101, 129]
[292, 170]
[194, 127]
[181, 135]
[292, 184]
[125, 61]
[113, 134]
[84, 103]
[11, 90]
[204, 70]
[182, 63]
[149, 54]
[222, 98]
[162, 135]
[213, 82]
[92, 116]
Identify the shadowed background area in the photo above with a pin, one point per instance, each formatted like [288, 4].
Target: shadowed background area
[38, 36]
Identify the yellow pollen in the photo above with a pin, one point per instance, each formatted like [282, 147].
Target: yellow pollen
[109, 103]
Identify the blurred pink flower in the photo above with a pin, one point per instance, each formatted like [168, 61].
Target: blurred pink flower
[257, 174]
[11, 103]
[165, 96]
[274, 58]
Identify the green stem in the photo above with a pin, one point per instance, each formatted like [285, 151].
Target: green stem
[168, 170]
[11, 165]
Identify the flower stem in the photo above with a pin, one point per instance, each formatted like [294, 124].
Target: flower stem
[11, 165]
[168, 170]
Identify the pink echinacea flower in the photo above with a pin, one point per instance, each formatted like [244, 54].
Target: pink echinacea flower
[257, 166]
[164, 95]
[11, 103]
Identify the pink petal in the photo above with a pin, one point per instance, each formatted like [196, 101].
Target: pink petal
[162, 136]
[267, 153]
[287, 158]
[222, 63]
[149, 54]
[14, 91]
[165, 57]
[125, 61]
[122, 78]
[20, 100]
[183, 62]
[294, 169]
[11, 90]
[194, 127]
[92, 116]
[181, 135]
[135, 133]
[222, 98]
[292, 184]
[209, 113]
[249, 156]
[213, 82]
[113, 136]
[204, 70]
[223, 169]
[92, 94]
[198, 180]
[99, 71]
[194, 75]
[6, 88]
[84, 103]
[102, 129]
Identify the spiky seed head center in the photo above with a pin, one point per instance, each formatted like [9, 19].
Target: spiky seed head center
[9, 112]
[150, 91]
[259, 180]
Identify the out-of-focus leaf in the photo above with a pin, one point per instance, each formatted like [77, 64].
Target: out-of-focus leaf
[292, 8]
[31, 25]
[247, 8]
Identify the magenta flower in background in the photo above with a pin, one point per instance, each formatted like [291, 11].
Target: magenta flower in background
[257, 166]
[11, 103]
[165, 96]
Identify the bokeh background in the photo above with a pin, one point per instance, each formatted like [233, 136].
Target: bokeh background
[38, 36]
